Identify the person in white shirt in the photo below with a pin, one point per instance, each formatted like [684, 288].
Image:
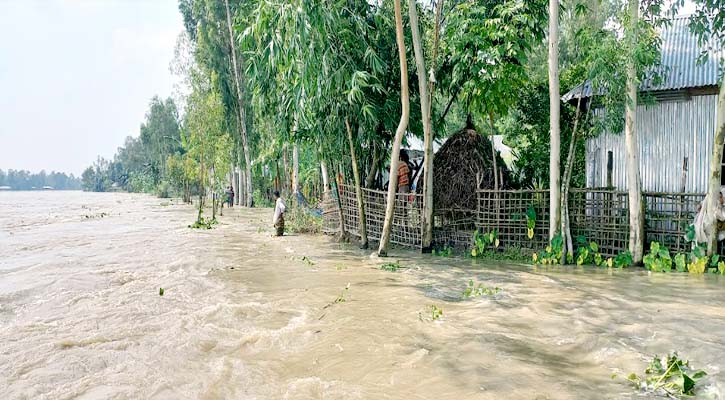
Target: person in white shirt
[279, 210]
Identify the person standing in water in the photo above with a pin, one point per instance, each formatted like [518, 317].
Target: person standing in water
[279, 210]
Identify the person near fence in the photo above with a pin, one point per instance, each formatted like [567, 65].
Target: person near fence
[702, 217]
[404, 173]
[279, 209]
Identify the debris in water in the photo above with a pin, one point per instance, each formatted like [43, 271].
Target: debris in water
[670, 375]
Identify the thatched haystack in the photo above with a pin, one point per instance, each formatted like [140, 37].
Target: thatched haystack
[462, 164]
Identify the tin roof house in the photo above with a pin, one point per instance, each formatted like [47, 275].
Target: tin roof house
[675, 134]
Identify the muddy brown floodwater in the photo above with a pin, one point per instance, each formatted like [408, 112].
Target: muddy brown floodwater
[244, 317]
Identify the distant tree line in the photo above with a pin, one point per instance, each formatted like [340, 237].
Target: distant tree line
[25, 180]
[140, 165]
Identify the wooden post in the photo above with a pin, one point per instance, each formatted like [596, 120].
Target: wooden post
[610, 167]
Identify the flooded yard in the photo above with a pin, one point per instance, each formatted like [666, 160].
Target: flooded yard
[248, 316]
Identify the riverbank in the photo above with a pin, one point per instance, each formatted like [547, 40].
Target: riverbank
[248, 316]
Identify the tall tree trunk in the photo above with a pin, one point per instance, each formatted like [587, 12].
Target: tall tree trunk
[286, 175]
[340, 211]
[234, 181]
[240, 188]
[373, 171]
[358, 189]
[425, 89]
[554, 112]
[212, 185]
[713, 191]
[325, 176]
[634, 183]
[493, 151]
[295, 168]
[566, 183]
[242, 110]
[405, 115]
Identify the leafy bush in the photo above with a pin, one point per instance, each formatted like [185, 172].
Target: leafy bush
[445, 251]
[140, 183]
[553, 253]
[483, 241]
[163, 190]
[588, 253]
[300, 220]
[261, 200]
[204, 223]
[622, 260]
[658, 259]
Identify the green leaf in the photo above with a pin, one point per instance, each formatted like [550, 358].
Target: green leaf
[688, 384]
[699, 375]
[714, 260]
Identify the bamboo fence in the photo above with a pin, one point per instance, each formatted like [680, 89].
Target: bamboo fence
[598, 215]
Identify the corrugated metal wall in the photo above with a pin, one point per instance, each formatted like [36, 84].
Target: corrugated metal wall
[667, 132]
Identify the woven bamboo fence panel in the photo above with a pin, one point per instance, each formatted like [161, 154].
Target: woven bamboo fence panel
[601, 216]
[453, 227]
[667, 217]
[505, 212]
[406, 230]
[330, 214]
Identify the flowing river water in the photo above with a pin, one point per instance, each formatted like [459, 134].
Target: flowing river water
[243, 316]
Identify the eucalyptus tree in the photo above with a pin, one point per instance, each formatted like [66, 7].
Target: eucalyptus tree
[624, 57]
[487, 45]
[318, 66]
[208, 142]
[239, 85]
[426, 87]
[399, 133]
[634, 181]
[207, 24]
[555, 119]
[708, 24]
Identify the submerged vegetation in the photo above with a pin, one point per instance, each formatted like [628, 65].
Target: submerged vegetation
[473, 290]
[431, 313]
[670, 376]
[391, 267]
[342, 298]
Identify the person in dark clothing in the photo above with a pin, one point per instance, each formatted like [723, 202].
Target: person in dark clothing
[231, 196]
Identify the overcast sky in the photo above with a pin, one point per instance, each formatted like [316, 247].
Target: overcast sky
[76, 77]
